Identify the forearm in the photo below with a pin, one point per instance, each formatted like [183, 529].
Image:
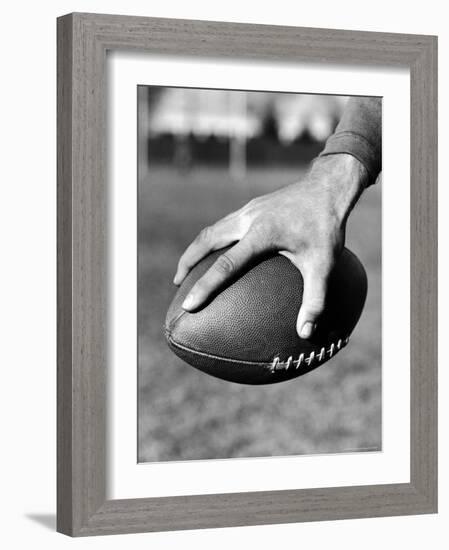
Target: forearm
[359, 133]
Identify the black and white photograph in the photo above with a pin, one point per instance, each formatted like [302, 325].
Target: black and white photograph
[259, 274]
[220, 284]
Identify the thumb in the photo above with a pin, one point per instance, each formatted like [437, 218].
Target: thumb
[313, 301]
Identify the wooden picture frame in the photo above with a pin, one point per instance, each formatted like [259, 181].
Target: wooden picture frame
[83, 40]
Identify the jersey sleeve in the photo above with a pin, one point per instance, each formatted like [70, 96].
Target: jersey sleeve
[359, 133]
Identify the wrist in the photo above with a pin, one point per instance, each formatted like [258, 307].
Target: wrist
[343, 179]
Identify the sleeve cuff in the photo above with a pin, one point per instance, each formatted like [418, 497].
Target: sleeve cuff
[357, 146]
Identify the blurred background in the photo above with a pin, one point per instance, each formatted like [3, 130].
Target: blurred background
[201, 155]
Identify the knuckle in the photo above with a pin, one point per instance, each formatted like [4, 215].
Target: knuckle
[252, 204]
[261, 228]
[243, 222]
[205, 235]
[244, 217]
[225, 264]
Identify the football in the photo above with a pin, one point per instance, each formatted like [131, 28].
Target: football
[246, 333]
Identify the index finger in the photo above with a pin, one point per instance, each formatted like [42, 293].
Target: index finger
[224, 268]
[209, 239]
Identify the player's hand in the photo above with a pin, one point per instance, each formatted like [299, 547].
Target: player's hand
[304, 221]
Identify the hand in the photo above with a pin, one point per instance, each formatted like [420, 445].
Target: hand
[304, 221]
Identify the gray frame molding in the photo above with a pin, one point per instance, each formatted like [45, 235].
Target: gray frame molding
[83, 40]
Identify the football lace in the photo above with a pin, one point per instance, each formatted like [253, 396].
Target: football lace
[334, 348]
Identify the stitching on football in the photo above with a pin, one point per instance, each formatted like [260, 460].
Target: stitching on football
[274, 365]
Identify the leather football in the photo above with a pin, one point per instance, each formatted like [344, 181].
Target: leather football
[246, 333]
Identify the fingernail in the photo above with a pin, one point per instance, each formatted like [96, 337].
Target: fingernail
[176, 280]
[306, 331]
[189, 302]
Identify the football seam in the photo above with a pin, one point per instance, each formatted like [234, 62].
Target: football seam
[273, 365]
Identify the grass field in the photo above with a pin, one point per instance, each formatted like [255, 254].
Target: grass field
[185, 414]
